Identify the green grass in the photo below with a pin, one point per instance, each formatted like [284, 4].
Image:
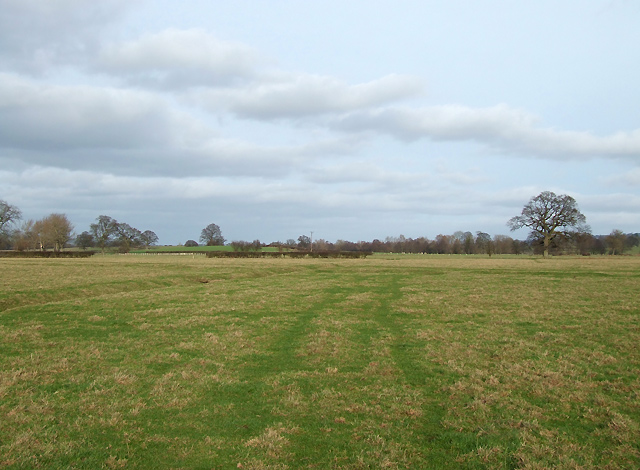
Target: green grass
[384, 362]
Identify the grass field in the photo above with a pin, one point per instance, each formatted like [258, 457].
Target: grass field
[387, 362]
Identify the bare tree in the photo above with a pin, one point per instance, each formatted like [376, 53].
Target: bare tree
[25, 237]
[484, 243]
[462, 242]
[128, 236]
[549, 215]
[442, 244]
[615, 241]
[103, 231]
[85, 240]
[211, 235]
[149, 238]
[304, 242]
[632, 240]
[54, 231]
[503, 244]
[8, 215]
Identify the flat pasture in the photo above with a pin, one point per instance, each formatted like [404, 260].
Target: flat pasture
[386, 362]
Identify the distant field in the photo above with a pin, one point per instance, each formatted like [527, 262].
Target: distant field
[385, 362]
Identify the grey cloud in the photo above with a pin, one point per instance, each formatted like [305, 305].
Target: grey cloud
[38, 182]
[227, 157]
[630, 178]
[47, 117]
[350, 172]
[123, 131]
[465, 177]
[616, 203]
[176, 58]
[611, 211]
[367, 176]
[217, 158]
[37, 35]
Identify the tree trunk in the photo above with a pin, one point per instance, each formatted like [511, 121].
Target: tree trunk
[547, 239]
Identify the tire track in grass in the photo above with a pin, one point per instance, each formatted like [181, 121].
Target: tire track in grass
[440, 444]
[251, 400]
[98, 291]
[282, 380]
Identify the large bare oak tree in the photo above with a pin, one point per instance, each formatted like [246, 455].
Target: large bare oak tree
[549, 215]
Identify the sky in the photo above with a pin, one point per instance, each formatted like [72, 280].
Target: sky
[352, 120]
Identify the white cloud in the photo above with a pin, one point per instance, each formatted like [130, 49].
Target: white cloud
[284, 95]
[179, 58]
[500, 127]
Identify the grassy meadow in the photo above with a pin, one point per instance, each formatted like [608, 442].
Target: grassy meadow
[387, 362]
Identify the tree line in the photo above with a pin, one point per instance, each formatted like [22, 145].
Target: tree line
[556, 227]
[555, 222]
[52, 232]
[107, 231]
[482, 243]
[55, 232]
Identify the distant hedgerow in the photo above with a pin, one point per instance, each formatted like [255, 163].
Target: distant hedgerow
[46, 254]
[290, 254]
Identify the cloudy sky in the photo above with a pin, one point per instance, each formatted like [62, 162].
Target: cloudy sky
[352, 119]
